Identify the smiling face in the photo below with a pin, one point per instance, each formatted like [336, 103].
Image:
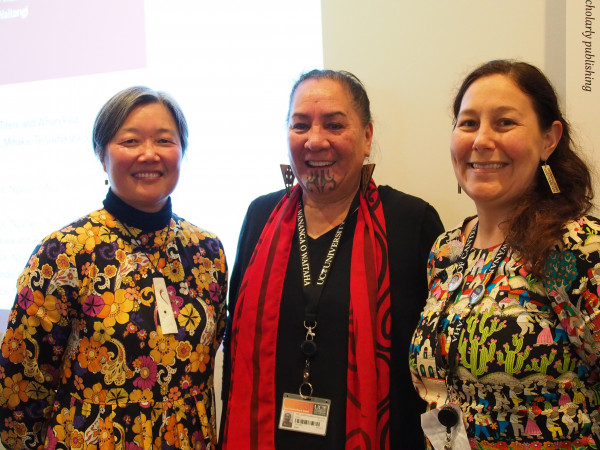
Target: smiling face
[143, 158]
[327, 141]
[497, 143]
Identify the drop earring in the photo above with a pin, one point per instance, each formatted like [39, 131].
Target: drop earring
[550, 178]
[366, 172]
[459, 189]
[288, 178]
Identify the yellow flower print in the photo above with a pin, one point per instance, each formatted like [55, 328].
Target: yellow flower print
[121, 255]
[105, 434]
[102, 333]
[184, 235]
[197, 258]
[95, 395]
[77, 439]
[47, 271]
[142, 427]
[203, 418]
[119, 308]
[23, 280]
[189, 317]
[204, 281]
[184, 350]
[220, 262]
[72, 244]
[91, 355]
[155, 260]
[110, 271]
[160, 238]
[175, 431]
[174, 272]
[163, 348]
[65, 428]
[28, 327]
[14, 390]
[144, 397]
[107, 235]
[104, 217]
[33, 263]
[199, 358]
[62, 261]
[36, 390]
[10, 438]
[13, 346]
[57, 234]
[88, 236]
[118, 397]
[157, 410]
[43, 309]
[89, 270]
[179, 409]
[66, 371]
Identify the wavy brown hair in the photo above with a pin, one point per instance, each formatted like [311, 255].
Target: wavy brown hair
[538, 221]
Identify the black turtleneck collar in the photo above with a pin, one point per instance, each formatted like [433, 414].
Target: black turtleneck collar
[136, 218]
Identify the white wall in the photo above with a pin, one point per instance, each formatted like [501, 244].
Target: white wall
[413, 55]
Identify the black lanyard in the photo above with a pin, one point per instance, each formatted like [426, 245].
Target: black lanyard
[313, 291]
[477, 294]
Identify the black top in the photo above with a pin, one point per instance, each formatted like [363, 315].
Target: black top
[412, 226]
[136, 218]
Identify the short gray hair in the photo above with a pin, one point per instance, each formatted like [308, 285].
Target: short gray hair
[115, 111]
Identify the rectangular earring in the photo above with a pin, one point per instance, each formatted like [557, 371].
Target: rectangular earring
[550, 178]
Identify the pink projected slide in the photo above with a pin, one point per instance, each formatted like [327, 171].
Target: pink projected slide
[43, 39]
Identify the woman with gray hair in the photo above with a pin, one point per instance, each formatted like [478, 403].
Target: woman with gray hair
[118, 316]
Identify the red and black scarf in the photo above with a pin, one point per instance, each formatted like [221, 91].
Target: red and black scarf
[251, 416]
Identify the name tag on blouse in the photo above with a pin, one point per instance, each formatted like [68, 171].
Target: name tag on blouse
[305, 415]
[165, 309]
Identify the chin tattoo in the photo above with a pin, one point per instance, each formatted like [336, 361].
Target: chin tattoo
[320, 181]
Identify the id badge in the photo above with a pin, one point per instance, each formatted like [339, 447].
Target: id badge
[165, 309]
[305, 415]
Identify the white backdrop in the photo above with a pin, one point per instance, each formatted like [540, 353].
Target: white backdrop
[230, 65]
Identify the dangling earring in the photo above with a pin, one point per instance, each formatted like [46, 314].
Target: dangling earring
[550, 178]
[288, 178]
[459, 189]
[366, 172]
[105, 181]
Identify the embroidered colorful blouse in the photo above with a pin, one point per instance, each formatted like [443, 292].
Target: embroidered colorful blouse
[84, 362]
[524, 360]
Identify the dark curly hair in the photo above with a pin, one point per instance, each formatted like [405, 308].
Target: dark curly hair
[538, 221]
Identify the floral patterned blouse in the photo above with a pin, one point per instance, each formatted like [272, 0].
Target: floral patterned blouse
[523, 361]
[84, 362]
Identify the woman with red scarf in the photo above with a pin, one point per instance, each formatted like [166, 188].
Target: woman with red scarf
[328, 282]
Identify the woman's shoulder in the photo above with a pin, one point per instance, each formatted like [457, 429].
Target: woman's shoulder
[85, 225]
[267, 201]
[189, 228]
[582, 234]
[392, 196]
[408, 213]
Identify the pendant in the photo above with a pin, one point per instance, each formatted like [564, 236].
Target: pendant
[476, 295]
[455, 281]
